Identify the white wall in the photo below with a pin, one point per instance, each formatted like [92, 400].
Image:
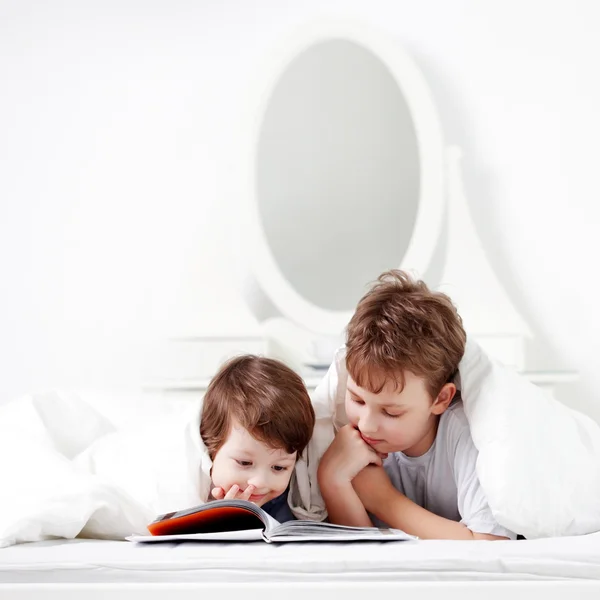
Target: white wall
[115, 125]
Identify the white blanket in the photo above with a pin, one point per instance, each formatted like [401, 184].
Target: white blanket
[539, 461]
[65, 470]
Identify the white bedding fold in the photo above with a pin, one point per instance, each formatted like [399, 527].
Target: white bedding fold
[539, 461]
[65, 470]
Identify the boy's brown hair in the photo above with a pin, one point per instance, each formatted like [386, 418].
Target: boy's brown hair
[265, 397]
[401, 325]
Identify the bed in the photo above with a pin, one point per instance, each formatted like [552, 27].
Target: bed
[69, 568]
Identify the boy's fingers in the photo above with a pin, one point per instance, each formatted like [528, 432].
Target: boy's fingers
[376, 460]
[231, 494]
[248, 492]
[217, 493]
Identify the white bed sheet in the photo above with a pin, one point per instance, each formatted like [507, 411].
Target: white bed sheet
[96, 561]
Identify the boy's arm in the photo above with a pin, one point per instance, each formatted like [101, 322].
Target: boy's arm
[347, 455]
[343, 505]
[380, 497]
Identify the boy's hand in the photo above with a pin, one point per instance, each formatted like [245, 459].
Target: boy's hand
[346, 457]
[234, 493]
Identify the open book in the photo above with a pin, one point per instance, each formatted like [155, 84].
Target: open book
[240, 520]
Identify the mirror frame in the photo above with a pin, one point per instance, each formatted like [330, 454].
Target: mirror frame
[264, 287]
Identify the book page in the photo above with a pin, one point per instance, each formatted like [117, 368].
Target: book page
[245, 535]
[319, 531]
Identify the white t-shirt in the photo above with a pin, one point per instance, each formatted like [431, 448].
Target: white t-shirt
[444, 480]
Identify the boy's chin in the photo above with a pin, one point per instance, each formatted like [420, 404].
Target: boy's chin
[386, 449]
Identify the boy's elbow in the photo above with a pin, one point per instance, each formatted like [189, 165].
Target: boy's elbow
[321, 478]
[488, 537]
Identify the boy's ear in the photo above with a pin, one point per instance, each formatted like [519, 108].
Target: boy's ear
[442, 402]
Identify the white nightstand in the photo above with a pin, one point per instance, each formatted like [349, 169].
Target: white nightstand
[189, 389]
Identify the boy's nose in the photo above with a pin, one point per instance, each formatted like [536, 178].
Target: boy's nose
[367, 425]
[259, 483]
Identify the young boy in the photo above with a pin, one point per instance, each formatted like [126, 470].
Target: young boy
[257, 419]
[406, 456]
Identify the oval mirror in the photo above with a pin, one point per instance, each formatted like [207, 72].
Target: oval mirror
[344, 165]
[337, 182]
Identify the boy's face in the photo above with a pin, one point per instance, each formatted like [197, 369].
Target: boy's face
[397, 421]
[243, 460]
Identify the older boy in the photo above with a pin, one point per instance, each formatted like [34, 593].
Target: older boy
[406, 456]
[257, 419]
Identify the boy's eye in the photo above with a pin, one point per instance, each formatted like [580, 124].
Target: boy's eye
[244, 463]
[357, 400]
[392, 416]
[279, 468]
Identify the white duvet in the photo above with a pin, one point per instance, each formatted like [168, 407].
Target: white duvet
[539, 461]
[66, 470]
